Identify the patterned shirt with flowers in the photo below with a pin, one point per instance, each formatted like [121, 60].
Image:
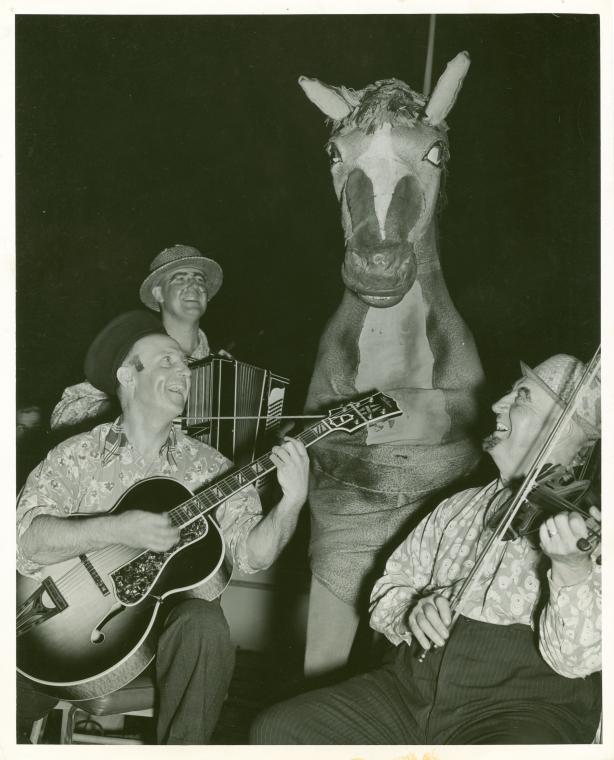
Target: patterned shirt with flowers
[87, 474]
[83, 402]
[436, 557]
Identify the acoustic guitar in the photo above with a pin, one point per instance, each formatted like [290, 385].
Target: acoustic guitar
[90, 626]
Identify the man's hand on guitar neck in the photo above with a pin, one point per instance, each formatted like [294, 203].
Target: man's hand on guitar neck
[292, 463]
[272, 533]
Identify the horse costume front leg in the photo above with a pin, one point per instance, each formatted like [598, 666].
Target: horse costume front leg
[396, 330]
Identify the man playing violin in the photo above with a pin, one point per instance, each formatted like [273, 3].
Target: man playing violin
[520, 660]
[87, 474]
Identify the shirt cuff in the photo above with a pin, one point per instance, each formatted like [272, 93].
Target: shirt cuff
[239, 546]
[577, 596]
[24, 565]
[391, 620]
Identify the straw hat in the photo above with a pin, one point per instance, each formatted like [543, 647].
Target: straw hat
[558, 376]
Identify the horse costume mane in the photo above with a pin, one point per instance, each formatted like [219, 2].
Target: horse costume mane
[388, 101]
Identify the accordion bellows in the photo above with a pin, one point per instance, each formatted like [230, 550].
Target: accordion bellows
[234, 407]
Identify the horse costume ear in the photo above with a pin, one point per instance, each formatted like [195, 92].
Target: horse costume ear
[447, 89]
[334, 102]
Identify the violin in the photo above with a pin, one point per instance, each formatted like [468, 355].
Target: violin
[556, 490]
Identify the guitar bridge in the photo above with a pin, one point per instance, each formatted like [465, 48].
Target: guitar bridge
[34, 611]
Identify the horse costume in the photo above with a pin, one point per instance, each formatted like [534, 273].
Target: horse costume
[396, 330]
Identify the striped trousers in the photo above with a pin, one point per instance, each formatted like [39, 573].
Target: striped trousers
[488, 685]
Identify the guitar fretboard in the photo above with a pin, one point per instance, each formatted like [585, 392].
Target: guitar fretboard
[214, 495]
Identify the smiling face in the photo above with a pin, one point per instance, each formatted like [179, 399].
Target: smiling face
[182, 294]
[525, 417]
[157, 373]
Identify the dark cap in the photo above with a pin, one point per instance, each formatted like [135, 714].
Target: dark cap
[111, 346]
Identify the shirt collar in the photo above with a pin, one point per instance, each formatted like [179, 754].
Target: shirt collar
[116, 439]
[202, 349]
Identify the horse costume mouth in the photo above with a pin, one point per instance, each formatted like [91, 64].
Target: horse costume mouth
[382, 275]
[381, 302]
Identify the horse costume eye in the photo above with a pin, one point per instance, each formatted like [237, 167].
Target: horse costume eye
[434, 155]
[333, 153]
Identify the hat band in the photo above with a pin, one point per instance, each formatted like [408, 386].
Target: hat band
[588, 428]
[526, 370]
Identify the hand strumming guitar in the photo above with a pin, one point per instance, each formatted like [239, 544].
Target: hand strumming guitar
[146, 530]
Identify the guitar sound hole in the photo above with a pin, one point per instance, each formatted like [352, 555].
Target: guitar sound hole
[97, 637]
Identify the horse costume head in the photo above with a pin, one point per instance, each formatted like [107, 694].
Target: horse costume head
[387, 149]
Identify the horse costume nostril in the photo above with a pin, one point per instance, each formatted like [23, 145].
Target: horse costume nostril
[405, 209]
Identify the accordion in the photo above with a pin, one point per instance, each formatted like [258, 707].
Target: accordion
[234, 407]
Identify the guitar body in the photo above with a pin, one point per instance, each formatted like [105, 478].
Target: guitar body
[91, 626]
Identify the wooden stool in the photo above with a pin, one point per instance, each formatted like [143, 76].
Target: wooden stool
[136, 698]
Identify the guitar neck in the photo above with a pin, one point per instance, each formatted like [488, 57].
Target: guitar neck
[214, 495]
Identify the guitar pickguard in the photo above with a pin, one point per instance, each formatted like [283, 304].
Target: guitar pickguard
[134, 580]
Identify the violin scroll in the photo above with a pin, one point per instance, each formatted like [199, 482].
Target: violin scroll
[584, 545]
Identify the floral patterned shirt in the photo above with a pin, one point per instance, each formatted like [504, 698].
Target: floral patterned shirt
[87, 474]
[436, 557]
[83, 402]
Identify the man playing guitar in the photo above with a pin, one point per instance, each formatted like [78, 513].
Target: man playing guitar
[83, 478]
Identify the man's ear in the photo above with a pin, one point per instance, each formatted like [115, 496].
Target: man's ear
[125, 376]
[156, 292]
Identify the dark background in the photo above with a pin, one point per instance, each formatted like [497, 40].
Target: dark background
[135, 133]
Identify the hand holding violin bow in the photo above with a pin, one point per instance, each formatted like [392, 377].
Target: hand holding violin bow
[430, 620]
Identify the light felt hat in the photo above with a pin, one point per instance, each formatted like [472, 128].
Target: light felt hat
[176, 257]
[558, 376]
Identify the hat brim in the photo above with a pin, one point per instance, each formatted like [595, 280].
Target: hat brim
[528, 372]
[590, 429]
[211, 269]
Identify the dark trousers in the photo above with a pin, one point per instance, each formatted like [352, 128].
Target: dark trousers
[488, 685]
[194, 665]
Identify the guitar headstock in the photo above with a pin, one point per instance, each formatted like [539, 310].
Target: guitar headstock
[364, 411]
